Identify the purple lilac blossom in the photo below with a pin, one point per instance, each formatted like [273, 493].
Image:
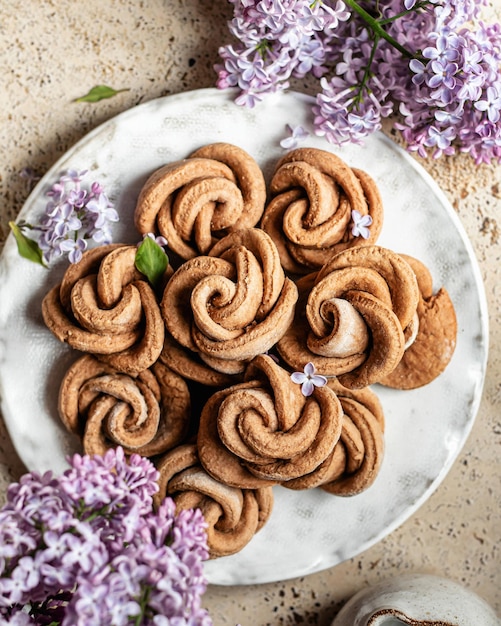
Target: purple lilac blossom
[72, 217]
[30, 176]
[308, 379]
[445, 91]
[74, 247]
[297, 135]
[361, 224]
[87, 548]
[158, 239]
[275, 40]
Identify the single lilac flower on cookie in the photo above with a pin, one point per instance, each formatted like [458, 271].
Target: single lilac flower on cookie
[361, 224]
[297, 135]
[308, 379]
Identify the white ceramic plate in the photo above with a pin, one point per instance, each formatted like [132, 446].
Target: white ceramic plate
[426, 428]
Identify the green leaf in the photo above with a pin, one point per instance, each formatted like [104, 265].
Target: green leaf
[26, 247]
[151, 260]
[99, 92]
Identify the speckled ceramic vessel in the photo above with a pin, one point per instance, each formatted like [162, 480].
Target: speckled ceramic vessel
[416, 600]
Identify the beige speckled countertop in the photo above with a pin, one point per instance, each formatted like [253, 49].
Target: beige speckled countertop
[53, 51]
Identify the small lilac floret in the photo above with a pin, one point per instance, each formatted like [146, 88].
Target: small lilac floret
[492, 103]
[158, 239]
[297, 135]
[74, 176]
[308, 379]
[18, 618]
[102, 210]
[74, 247]
[361, 224]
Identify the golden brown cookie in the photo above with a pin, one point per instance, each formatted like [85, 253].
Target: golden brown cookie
[265, 430]
[231, 307]
[434, 343]
[347, 460]
[233, 515]
[148, 414]
[351, 322]
[105, 306]
[309, 215]
[363, 440]
[189, 365]
[196, 201]
[218, 461]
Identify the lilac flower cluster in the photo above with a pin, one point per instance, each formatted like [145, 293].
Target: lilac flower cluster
[87, 548]
[432, 64]
[72, 216]
[277, 40]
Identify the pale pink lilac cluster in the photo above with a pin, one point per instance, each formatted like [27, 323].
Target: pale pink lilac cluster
[87, 548]
[433, 65]
[73, 216]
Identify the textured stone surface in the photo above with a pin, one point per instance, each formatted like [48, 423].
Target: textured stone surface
[52, 52]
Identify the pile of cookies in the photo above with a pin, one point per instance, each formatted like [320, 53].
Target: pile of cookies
[196, 373]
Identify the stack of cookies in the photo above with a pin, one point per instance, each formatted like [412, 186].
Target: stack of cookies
[196, 373]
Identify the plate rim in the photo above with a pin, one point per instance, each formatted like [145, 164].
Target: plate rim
[37, 191]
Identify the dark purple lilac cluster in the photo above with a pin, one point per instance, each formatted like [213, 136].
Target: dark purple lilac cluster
[432, 64]
[87, 548]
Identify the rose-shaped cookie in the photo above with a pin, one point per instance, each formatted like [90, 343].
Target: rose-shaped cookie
[105, 306]
[317, 199]
[196, 201]
[355, 461]
[362, 438]
[265, 431]
[233, 515]
[231, 305]
[188, 364]
[351, 323]
[149, 414]
[435, 340]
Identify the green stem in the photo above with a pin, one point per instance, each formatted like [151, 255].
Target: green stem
[263, 47]
[396, 17]
[143, 603]
[365, 78]
[377, 28]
